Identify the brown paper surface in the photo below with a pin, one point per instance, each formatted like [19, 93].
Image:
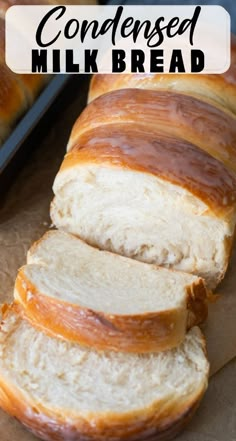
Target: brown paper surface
[24, 217]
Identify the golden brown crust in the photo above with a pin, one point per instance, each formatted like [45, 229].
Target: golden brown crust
[215, 89]
[170, 112]
[169, 158]
[150, 426]
[147, 332]
[30, 84]
[160, 421]
[17, 91]
[2, 38]
[3, 8]
[5, 4]
[197, 303]
[12, 98]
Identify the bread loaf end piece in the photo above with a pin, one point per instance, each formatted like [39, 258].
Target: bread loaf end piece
[157, 199]
[61, 391]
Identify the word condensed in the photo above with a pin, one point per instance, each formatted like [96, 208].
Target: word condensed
[153, 33]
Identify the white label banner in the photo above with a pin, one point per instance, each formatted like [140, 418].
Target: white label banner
[115, 39]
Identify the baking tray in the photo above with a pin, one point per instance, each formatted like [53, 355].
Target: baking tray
[52, 105]
[29, 121]
[32, 126]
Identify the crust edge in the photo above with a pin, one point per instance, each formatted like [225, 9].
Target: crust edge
[148, 332]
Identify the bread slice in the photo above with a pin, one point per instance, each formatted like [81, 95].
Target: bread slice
[62, 391]
[107, 301]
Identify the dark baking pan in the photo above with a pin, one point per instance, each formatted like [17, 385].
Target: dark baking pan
[27, 124]
[55, 100]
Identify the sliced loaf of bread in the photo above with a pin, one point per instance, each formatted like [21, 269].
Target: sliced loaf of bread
[107, 301]
[62, 391]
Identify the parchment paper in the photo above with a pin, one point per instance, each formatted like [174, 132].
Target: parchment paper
[24, 217]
